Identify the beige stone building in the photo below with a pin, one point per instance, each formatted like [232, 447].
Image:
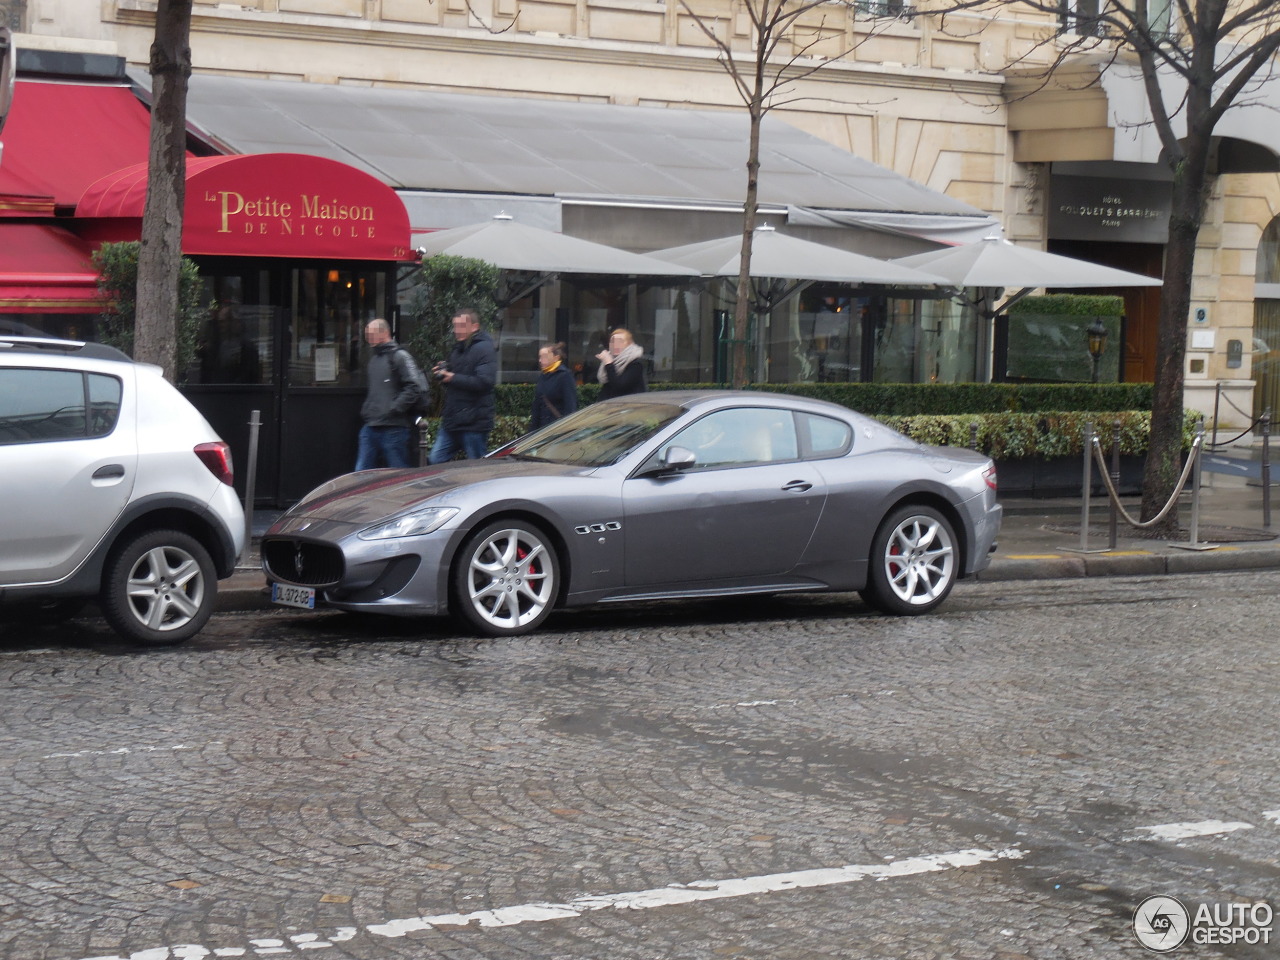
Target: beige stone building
[928, 97]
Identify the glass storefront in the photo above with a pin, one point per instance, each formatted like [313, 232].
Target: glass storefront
[826, 334]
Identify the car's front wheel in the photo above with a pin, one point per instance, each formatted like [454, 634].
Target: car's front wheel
[159, 588]
[505, 579]
[913, 562]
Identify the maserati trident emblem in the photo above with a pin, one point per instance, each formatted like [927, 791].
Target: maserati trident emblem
[297, 559]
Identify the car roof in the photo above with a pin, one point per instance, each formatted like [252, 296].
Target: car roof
[53, 345]
[691, 399]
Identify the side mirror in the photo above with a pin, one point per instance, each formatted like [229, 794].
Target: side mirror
[673, 461]
[679, 458]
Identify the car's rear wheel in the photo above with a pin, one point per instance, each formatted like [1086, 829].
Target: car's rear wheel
[159, 588]
[913, 562]
[505, 579]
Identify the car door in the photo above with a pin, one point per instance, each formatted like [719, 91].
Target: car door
[745, 510]
[67, 465]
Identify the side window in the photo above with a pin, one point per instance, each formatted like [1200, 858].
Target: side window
[741, 436]
[104, 404]
[40, 405]
[824, 437]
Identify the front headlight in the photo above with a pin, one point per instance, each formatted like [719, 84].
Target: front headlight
[413, 524]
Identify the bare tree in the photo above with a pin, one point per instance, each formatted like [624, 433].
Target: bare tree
[783, 39]
[1198, 59]
[159, 262]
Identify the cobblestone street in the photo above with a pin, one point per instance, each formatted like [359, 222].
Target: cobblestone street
[1007, 778]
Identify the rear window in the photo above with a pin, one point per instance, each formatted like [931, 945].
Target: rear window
[44, 405]
[824, 436]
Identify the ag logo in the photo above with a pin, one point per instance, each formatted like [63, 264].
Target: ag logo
[1161, 923]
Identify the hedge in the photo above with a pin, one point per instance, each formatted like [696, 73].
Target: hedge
[1001, 436]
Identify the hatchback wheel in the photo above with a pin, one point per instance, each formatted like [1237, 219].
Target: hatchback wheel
[159, 588]
[913, 562]
[505, 579]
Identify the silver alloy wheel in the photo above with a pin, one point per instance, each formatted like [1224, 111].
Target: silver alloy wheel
[165, 588]
[510, 579]
[919, 559]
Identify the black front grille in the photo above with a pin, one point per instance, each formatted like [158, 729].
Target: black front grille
[302, 562]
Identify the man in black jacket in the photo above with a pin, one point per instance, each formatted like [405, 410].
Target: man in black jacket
[469, 375]
[390, 399]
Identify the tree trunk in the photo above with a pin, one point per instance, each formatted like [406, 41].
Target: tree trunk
[1164, 455]
[159, 261]
[742, 305]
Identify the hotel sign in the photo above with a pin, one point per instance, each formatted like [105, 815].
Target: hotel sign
[1107, 208]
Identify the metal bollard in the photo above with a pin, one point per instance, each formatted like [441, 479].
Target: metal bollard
[1195, 486]
[973, 435]
[250, 482]
[1086, 486]
[424, 442]
[1113, 523]
[1266, 468]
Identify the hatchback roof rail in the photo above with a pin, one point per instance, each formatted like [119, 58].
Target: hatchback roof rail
[93, 351]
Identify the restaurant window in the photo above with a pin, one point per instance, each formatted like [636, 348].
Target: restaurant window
[236, 343]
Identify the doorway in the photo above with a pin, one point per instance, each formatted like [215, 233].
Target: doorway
[286, 339]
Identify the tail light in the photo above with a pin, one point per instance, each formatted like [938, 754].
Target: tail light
[217, 457]
[989, 475]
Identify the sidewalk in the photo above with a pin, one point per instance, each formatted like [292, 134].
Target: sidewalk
[1039, 540]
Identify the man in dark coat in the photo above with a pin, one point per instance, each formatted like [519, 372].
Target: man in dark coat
[468, 375]
[391, 396]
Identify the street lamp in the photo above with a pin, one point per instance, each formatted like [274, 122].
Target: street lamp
[1097, 337]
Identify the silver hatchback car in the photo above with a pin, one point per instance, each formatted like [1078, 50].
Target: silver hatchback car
[115, 489]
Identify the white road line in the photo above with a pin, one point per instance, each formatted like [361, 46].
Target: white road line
[1272, 815]
[699, 890]
[119, 751]
[1202, 828]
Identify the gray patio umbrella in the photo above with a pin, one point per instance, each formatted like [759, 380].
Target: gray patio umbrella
[516, 246]
[777, 256]
[995, 262]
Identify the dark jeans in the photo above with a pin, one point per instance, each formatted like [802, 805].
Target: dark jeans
[383, 447]
[473, 443]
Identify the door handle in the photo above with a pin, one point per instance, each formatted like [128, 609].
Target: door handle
[797, 486]
[110, 471]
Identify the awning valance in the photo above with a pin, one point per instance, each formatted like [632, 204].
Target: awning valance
[45, 269]
[269, 205]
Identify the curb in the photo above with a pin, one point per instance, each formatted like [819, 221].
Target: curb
[1130, 563]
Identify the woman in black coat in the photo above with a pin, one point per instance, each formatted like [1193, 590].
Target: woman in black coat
[556, 393]
[621, 367]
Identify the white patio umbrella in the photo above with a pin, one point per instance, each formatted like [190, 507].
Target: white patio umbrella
[777, 256]
[995, 262]
[516, 246]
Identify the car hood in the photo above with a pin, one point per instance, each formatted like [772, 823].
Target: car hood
[372, 495]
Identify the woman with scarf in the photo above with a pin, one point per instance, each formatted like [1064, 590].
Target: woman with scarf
[621, 369]
[556, 392]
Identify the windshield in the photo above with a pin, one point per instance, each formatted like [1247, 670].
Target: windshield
[597, 435]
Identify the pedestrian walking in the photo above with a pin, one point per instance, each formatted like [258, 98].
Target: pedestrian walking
[621, 366]
[556, 392]
[391, 396]
[468, 376]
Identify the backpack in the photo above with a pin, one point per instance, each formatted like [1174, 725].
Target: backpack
[407, 370]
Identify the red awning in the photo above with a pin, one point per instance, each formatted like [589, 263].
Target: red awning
[61, 137]
[268, 205]
[45, 269]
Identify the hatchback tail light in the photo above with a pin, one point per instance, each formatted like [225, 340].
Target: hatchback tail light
[989, 475]
[217, 457]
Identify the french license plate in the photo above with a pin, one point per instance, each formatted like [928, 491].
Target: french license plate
[289, 596]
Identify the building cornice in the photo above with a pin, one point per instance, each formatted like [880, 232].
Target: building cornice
[316, 29]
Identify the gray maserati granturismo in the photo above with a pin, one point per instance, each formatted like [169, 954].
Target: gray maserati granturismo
[659, 495]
